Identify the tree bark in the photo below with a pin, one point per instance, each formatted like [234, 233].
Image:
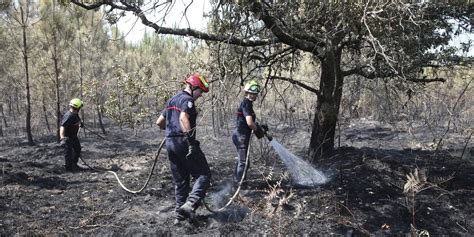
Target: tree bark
[3, 116]
[28, 96]
[45, 113]
[327, 107]
[10, 107]
[80, 78]
[56, 78]
[99, 114]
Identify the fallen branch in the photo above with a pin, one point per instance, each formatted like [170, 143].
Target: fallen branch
[94, 226]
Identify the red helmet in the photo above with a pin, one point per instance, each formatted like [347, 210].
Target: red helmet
[198, 81]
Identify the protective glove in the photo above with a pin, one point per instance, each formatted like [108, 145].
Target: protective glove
[265, 131]
[193, 150]
[63, 141]
[193, 146]
[259, 132]
[81, 125]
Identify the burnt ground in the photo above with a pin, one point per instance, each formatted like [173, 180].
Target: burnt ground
[364, 195]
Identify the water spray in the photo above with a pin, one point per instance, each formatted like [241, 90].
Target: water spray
[302, 173]
[237, 190]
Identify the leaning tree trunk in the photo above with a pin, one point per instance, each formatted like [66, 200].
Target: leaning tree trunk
[327, 107]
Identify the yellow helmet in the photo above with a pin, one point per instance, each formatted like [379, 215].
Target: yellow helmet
[198, 81]
[252, 87]
[76, 103]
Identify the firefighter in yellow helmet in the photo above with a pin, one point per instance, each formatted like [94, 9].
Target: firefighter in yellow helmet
[70, 125]
[245, 124]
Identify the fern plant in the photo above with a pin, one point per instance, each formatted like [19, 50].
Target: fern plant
[416, 182]
[272, 204]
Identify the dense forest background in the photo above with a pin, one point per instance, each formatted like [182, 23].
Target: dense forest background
[53, 52]
[71, 52]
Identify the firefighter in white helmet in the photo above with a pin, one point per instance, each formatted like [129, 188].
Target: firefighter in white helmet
[245, 124]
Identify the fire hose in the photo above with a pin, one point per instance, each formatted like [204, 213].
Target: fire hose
[116, 175]
[208, 207]
[237, 190]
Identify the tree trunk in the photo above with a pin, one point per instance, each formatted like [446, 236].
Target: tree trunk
[58, 101]
[99, 114]
[80, 79]
[3, 116]
[327, 107]
[28, 96]
[45, 114]
[11, 113]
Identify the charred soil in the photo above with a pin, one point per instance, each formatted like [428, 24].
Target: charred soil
[373, 189]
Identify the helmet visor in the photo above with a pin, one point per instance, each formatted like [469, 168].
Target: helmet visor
[254, 88]
[204, 83]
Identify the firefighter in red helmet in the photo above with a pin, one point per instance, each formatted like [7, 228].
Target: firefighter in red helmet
[184, 153]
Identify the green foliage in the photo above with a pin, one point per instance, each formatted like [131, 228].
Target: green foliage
[55, 80]
[131, 83]
[112, 17]
[7, 64]
[3, 44]
[4, 4]
[64, 2]
[125, 103]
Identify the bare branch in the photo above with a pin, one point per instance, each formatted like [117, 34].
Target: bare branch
[96, 5]
[298, 83]
[178, 31]
[271, 23]
[425, 80]
[361, 71]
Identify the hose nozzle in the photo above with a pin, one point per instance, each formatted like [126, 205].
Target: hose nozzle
[269, 137]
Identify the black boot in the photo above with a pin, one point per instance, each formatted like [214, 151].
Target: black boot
[188, 209]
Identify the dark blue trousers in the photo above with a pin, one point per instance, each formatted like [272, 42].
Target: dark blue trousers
[241, 141]
[183, 169]
[72, 151]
